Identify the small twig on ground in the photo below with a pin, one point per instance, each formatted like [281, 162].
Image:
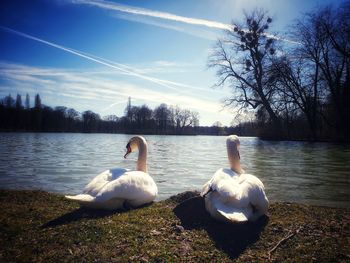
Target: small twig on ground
[283, 240]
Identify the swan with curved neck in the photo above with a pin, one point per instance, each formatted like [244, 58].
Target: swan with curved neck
[138, 143]
[119, 188]
[231, 195]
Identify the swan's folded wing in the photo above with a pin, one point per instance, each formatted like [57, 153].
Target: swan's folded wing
[131, 185]
[96, 184]
[212, 183]
[225, 183]
[227, 189]
[260, 203]
[257, 194]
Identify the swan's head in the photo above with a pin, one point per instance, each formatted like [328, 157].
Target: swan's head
[134, 144]
[232, 145]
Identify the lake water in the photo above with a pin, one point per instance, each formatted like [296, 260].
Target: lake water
[313, 173]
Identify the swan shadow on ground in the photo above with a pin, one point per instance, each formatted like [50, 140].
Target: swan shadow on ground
[233, 239]
[86, 213]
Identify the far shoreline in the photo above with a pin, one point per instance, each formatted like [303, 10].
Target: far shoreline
[340, 142]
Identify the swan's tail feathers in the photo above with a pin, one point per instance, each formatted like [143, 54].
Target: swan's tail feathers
[234, 214]
[237, 217]
[81, 199]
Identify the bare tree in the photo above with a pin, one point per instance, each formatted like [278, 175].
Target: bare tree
[324, 37]
[72, 118]
[90, 121]
[242, 59]
[111, 118]
[27, 102]
[297, 84]
[72, 114]
[19, 102]
[37, 103]
[184, 118]
[9, 102]
[143, 115]
[161, 116]
[195, 119]
[337, 28]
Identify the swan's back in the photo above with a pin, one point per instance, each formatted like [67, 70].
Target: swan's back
[233, 197]
[225, 182]
[100, 181]
[131, 186]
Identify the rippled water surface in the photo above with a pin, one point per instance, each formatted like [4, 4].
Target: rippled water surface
[315, 173]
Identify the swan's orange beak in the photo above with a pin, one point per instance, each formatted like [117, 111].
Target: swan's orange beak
[128, 150]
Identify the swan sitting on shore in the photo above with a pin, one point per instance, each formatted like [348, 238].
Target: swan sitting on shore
[232, 195]
[119, 188]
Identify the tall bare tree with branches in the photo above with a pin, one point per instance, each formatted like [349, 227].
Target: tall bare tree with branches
[242, 59]
[325, 42]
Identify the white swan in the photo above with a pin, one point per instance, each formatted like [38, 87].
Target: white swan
[117, 188]
[232, 195]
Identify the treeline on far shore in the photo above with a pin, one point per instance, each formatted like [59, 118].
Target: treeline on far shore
[14, 116]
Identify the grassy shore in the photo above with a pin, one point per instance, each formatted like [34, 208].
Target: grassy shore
[37, 226]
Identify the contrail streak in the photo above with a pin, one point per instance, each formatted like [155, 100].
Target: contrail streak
[168, 16]
[113, 104]
[114, 65]
[136, 71]
[151, 13]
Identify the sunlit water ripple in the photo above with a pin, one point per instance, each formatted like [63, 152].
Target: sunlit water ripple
[314, 173]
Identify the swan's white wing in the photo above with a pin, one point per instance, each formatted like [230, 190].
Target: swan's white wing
[132, 185]
[224, 182]
[100, 181]
[254, 189]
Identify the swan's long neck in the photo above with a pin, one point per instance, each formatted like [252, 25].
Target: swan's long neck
[142, 158]
[234, 158]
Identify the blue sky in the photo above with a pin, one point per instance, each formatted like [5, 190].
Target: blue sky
[94, 54]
